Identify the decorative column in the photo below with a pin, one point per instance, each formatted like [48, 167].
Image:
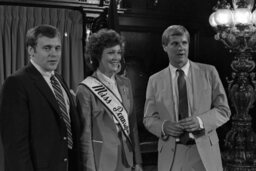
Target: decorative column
[240, 140]
[236, 28]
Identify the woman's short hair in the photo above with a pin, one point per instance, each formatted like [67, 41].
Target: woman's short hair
[174, 30]
[104, 38]
[42, 30]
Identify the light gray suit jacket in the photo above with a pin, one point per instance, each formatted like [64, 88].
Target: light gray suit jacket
[99, 139]
[209, 103]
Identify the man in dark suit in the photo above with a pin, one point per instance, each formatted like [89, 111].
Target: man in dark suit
[38, 121]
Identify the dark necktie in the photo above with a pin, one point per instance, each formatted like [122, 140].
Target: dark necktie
[61, 102]
[183, 103]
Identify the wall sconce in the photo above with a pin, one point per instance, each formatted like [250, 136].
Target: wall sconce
[155, 2]
[235, 26]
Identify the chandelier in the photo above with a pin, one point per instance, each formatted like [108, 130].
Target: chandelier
[235, 26]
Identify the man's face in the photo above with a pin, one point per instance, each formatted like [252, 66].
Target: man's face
[177, 50]
[46, 53]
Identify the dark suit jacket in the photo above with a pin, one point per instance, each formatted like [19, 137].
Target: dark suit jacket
[99, 140]
[32, 131]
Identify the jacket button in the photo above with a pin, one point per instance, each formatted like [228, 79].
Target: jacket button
[65, 160]
[65, 138]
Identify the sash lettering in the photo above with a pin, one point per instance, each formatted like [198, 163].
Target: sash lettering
[102, 91]
[119, 111]
[110, 101]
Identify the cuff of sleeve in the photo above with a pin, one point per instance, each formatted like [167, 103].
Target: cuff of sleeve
[201, 124]
[163, 135]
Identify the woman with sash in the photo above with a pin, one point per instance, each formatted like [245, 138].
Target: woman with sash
[109, 140]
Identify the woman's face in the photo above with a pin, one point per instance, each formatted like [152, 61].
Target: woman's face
[110, 60]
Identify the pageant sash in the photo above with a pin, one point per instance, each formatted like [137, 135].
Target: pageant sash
[107, 97]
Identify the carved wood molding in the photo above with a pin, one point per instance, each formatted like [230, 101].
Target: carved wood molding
[64, 3]
[134, 20]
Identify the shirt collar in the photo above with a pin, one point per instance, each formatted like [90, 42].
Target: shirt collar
[39, 68]
[185, 68]
[105, 78]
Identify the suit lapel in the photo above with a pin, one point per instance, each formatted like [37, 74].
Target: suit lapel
[167, 93]
[42, 86]
[196, 86]
[124, 92]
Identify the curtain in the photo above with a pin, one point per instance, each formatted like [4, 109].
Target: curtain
[14, 23]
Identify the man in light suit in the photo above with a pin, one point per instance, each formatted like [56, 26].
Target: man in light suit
[34, 131]
[205, 103]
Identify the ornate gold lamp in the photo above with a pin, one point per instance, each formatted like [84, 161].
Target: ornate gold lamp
[235, 26]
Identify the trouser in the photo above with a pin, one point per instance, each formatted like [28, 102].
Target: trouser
[187, 158]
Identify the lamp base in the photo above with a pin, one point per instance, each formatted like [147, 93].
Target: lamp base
[240, 140]
[230, 167]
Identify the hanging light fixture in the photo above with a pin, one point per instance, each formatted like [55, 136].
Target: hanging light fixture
[235, 26]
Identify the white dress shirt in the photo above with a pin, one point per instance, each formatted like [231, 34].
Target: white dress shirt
[174, 78]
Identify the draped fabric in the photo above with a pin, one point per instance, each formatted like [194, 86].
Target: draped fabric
[14, 23]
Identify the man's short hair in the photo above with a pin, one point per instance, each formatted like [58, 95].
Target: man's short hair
[42, 30]
[174, 30]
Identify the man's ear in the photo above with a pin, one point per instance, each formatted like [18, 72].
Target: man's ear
[31, 51]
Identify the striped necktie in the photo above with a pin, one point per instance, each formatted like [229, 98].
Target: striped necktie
[62, 105]
[183, 103]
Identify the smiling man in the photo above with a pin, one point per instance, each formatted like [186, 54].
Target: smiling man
[39, 124]
[185, 104]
